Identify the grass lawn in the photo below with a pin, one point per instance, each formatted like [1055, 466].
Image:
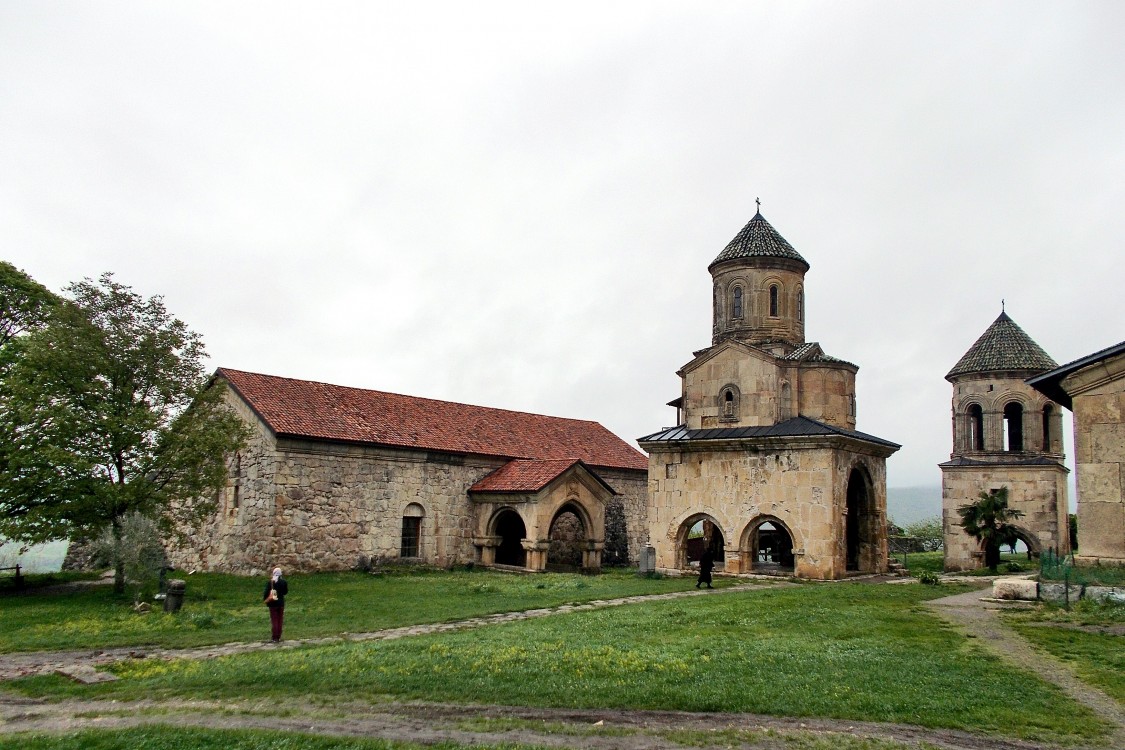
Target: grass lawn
[847, 651]
[224, 608]
[1098, 657]
[179, 738]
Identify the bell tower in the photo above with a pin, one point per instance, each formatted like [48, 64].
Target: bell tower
[1005, 434]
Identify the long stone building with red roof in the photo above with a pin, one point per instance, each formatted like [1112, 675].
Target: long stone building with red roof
[335, 477]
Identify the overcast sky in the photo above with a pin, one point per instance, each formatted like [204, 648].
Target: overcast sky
[515, 204]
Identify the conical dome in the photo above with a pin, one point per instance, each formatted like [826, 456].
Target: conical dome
[1004, 347]
[758, 239]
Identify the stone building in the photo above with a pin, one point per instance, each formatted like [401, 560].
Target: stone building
[765, 468]
[1093, 388]
[334, 476]
[1005, 434]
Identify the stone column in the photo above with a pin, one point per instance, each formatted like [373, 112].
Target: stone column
[487, 545]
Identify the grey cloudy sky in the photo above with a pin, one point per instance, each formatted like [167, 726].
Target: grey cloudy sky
[514, 204]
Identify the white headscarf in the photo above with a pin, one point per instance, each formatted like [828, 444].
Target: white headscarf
[276, 573]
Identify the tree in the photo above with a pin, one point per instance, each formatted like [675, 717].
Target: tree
[25, 304]
[108, 411]
[988, 521]
[929, 532]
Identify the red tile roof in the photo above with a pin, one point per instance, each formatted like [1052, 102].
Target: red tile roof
[306, 409]
[522, 475]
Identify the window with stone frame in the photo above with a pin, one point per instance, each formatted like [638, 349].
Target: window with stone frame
[800, 305]
[774, 292]
[736, 302]
[411, 542]
[976, 428]
[728, 404]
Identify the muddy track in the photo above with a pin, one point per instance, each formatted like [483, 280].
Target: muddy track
[428, 723]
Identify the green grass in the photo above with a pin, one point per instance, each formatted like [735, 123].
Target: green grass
[925, 562]
[223, 608]
[856, 652]
[1098, 657]
[156, 737]
[179, 738]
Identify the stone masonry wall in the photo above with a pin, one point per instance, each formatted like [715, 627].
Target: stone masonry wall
[1038, 491]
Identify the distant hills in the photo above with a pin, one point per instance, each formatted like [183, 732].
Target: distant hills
[909, 504]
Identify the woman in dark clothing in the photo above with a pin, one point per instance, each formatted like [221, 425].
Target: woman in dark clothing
[706, 563]
[276, 589]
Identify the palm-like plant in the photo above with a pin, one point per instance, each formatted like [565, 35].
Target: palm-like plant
[988, 520]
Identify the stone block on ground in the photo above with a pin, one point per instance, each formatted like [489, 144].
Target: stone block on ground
[1017, 589]
[1106, 594]
[1057, 593]
[86, 675]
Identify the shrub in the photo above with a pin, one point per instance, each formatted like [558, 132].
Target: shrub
[929, 578]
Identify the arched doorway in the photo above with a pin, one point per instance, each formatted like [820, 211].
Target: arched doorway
[509, 527]
[696, 536]
[768, 548]
[860, 524]
[567, 540]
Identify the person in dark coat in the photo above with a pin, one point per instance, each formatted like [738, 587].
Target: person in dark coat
[706, 564]
[274, 596]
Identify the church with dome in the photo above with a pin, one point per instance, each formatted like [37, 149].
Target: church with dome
[765, 470]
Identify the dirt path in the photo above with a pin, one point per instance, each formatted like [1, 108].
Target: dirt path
[979, 619]
[428, 723]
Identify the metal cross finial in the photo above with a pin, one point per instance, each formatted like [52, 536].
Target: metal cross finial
[758, 202]
[1001, 304]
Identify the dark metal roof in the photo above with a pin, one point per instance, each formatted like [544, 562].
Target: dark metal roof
[796, 427]
[759, 239]
[1004, 347]
[1050, 383]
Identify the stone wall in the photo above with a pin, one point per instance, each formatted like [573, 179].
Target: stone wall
[308, 505]
[737, 486]
[1038, 491]
[1098, 396]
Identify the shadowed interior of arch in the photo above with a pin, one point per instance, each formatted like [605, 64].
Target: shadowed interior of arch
[567, 540]
[511, 530]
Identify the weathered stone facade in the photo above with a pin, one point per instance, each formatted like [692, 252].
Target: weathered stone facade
[1094, 389]
[766, 463]
[1005, 434]
[314, 504]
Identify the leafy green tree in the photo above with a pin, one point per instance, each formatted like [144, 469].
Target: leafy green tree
[25, 304]
[108, 411]
[929, 532]
[988, 520]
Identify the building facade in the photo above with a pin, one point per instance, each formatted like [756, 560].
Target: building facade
[334, 478]
[1005, 434]
[765, 469]
[1093, 388]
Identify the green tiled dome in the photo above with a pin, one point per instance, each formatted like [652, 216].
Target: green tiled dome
[1003, 347]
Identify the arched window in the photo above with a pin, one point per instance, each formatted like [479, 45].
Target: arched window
[773, 300]
[411, 530]
[1048, 415]
[1013, 426]
[728, 404]
[976, 428]
[736, 303]
[800, 305]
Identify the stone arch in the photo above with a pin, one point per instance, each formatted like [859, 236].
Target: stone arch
[860, 522]
[972, 438]
[410, 544]
[767, 545]
[569, 534]
[508, 525]
[688, 550]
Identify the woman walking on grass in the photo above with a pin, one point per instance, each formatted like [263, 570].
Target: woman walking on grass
[276, 589]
